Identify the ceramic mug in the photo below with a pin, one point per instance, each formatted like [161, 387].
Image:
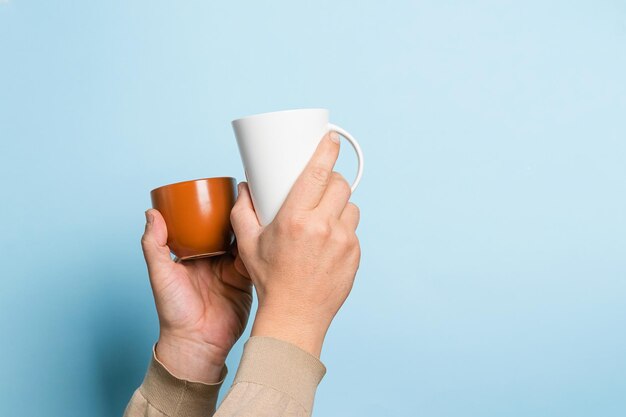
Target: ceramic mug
[197, 215]
[275, 147]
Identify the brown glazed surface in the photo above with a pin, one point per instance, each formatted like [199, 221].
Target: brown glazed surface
[197, 214]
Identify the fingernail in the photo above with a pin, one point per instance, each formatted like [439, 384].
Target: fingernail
[334, 136]
[149, 217]
[239, 187]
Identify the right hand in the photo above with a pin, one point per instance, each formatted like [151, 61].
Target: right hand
[304, 263]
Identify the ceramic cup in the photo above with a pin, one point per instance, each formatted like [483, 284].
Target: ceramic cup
[275, 147]
[197, 214]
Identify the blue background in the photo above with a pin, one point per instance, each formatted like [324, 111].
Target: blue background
[493, 203]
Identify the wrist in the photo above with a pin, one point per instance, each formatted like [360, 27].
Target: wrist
[304, 331]
[190, 360]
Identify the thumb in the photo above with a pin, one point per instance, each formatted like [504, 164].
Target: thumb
[154, 242]
[240, 267]
[243, 217]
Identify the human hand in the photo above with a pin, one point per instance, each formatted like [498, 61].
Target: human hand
[203, 305]
[304, 263]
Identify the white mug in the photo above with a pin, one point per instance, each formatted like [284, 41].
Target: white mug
[275, 148]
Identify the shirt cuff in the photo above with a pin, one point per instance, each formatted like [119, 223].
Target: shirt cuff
[174, 396]
[281, 366]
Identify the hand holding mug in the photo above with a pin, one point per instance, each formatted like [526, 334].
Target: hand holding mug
[304, 262]
[275, 147]
[203, 302]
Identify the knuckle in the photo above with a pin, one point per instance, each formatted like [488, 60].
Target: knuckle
[293, 225]
[348, 240]
[319, 175]
[354, 213]
[317, 229]
[344, 237]
[341, 182]
[325, 230]
[354, 243]
[234, 214]
[234, 222]
[238, 212]
[357, 257]
[341, 239]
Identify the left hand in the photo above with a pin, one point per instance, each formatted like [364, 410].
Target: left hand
[203, 305]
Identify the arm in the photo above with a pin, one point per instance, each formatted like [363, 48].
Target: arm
[274, 378]
[303, 267]
[203, 308]
[162, 394]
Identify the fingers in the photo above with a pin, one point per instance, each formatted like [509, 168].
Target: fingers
[154, 241]
[336, 196]
[242, 216]
[310, 186]
[351, 216]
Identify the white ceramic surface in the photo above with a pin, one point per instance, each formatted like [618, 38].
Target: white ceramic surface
[275, 147]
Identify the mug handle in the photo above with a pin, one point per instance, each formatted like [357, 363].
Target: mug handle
[357, 149]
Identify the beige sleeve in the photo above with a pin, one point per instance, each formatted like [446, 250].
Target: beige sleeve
[274, 378]
[163, 395]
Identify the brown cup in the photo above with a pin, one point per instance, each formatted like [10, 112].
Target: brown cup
[197, 214]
